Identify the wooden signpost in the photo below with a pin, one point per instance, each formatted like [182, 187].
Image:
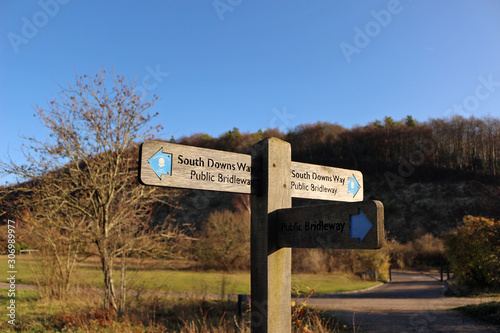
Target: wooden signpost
[273, 179]
[174, 165]
[321, 182]
[334, 226]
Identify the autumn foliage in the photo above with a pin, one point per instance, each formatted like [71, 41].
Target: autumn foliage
[439, 147]
[225, 241]
[474, 253]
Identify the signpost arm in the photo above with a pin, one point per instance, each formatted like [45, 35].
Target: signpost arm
[270, 265]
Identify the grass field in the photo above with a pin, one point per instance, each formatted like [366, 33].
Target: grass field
[152, 307]
[148, 313]
[173, 277]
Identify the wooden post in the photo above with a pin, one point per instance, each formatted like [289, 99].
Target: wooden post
[271, 266]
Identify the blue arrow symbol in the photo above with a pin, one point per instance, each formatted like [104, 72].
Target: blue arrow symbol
[360, 225]
[161, 163]
[352, 186]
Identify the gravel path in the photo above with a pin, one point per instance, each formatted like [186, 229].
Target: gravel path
[413, 302]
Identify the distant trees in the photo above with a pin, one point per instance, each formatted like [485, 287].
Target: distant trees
[314, 141]
[467, 144]
[424, 252]
[232, 140]
[458, 144]
[389, 122]
[82, 195]
[224, 242]
[337, 260]
[410, 122]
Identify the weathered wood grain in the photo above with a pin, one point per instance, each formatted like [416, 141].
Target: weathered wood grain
[271, 266]
[319, 182]
[223, 171]
[198, 168]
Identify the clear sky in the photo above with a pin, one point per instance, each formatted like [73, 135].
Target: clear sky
[256, 64]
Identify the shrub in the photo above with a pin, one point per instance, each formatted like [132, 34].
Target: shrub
[426, 251]
[429, 251]
[402, 255]
[309, 260]
[474, 253]
[66, 321]
[338, 260]
[373, 260]
[225, 241]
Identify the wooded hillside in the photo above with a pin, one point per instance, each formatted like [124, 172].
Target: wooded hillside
[429, 175]
[455, 144]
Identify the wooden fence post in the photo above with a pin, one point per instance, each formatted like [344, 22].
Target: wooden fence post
[270, 265]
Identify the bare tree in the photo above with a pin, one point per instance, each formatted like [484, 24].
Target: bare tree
[87, 168]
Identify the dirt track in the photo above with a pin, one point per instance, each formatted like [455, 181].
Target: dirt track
[412, 302]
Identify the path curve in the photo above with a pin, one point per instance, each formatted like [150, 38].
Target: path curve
[413, 302]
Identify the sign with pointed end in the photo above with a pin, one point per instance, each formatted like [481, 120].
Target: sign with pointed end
[353, 186]
[174, 165]
[320, 182]
[273, 180]
[161, 163]
[358, 225]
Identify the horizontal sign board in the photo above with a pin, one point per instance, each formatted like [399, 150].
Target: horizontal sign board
[310, 181]
[358, 225]
[174, 165]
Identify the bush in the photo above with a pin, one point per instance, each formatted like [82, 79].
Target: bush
[374, 260]
[225, 241]
[429, 252]
[345, 261]
[425, 252]
[310, 261]
[402, 255]
[474, 253]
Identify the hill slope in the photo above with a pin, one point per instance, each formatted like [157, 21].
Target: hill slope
[427, 175]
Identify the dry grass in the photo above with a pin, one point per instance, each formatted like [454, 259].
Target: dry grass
[149, 313]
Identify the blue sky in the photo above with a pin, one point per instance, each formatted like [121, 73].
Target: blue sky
[256, 64]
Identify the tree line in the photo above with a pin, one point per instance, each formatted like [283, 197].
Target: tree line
[467, 145]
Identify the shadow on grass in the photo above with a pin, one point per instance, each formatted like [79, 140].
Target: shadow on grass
[487, 312]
